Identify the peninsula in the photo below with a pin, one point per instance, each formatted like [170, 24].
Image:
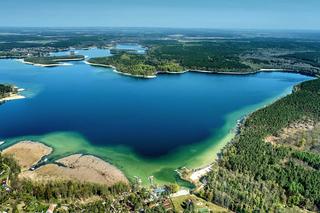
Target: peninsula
[209, 57]
[52, 61]
[83, 168]
[137, 65]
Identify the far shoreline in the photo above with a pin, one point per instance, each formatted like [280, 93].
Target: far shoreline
[114, 69]
[201, 71]
[44, 65]
[12, 97]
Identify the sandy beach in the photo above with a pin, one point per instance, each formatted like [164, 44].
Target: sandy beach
[182, 72]
[13, 97]
[167, 72]
[197, 174]
[45, 65]
[27, 153]
[84, 168]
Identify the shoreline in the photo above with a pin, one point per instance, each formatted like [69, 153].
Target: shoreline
[28, 153]
[12, 97]
[250, 72]
[168, 72]
[199, 71]
[122, 73]
[33, 157]
[206, 159]
[200, 169]
[239, 72]
[212, 147]
[43, 65]
[195, 174]
[72, 59]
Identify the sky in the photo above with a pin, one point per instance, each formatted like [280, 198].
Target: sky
[230, 14]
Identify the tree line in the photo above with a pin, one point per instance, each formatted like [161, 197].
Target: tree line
[257, 175]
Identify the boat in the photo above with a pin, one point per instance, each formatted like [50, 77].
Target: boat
[2, 142]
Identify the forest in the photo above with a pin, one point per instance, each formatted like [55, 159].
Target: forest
[209, 56]
[22, 195]
[138, 64]
[254, 175]
[233, 55]
[173, 50]
[51, 60]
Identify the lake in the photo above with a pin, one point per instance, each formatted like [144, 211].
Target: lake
[143, 126]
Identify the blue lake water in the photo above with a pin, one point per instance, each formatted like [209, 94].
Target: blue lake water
[151, 117]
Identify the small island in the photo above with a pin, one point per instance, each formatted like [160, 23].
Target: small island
[9, 92]
[52, 61]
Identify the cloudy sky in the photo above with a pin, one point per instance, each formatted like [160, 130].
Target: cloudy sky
[254, 14]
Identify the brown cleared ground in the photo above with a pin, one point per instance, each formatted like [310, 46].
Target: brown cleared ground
[78, 167]
[27, 153]
[303, 135]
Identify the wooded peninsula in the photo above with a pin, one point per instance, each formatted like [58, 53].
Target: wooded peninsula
[232, 57]
[52, 60]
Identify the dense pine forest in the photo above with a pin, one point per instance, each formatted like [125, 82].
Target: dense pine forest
[255, 175]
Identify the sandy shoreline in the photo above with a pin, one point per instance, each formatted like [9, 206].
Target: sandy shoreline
[167, 72]
[195, 174]
[45, 65]
[13, 97]
[83, 168]
[241, 73]
[27, 153]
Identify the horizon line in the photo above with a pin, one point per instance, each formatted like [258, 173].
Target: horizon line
[162, 27]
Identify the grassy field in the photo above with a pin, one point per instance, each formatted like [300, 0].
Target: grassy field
[200, 204]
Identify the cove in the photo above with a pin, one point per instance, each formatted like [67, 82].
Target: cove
[144, 127]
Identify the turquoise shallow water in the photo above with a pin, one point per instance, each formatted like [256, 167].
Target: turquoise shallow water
[145, 127]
